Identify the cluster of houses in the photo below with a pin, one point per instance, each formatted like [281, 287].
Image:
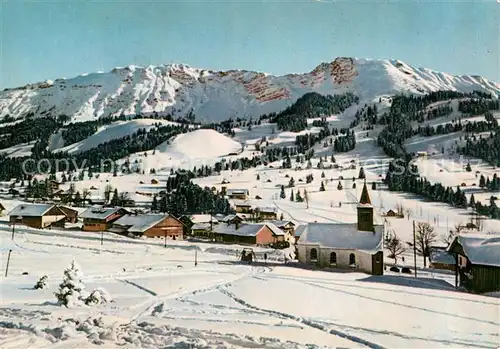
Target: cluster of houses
[474, 257]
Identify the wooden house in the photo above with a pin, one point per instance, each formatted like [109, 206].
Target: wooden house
[38, 215]
[164, 226]
[71, 214]
[262, 234]
[243, 207]
[287, 226]
[53, 186]
[101, 219]
[266, 213]
[441, 259]
[238, 194]
[477, 257]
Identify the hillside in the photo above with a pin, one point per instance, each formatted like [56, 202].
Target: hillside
[178, 89]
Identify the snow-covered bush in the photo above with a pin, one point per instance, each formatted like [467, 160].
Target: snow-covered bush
[42, 283]
[98, 296]
[72, 286]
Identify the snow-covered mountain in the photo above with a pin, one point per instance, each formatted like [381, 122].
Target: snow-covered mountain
[177, 89]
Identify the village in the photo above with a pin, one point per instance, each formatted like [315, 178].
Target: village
[363, 246]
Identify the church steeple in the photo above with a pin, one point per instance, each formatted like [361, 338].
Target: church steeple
[365, 211]
[365, 197]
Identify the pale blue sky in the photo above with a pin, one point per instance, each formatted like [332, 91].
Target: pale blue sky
[47, 40]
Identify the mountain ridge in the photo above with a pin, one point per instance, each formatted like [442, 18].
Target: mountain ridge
[178, 89]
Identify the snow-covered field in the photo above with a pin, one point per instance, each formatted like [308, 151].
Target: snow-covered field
[161, 299]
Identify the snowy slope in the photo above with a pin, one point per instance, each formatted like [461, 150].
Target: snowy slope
[109, 132]
[216, 95]
[162, 300]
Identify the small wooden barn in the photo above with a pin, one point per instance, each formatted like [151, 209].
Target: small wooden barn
[478, 261]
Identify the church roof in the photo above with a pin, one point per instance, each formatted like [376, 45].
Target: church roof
[342, 236]
[365, 196]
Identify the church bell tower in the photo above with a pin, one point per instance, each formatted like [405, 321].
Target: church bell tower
[365, 211]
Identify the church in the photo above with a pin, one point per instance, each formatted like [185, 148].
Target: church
[352, 246]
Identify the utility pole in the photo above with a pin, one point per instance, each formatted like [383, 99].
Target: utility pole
[102, 237]
[414, 250]
[165, 239]
[13, 228]
[8, 261]
[195, 258]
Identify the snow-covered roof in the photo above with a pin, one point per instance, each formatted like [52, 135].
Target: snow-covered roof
[201, 226]
[140, 223]
[300, 229]
[249, 229]
[480, 248]
[280, 223]
[30, 210]
[342, 236]
[230, 217]
[99, 212]
[267, 209]
[237, 191]
[202, 218]
[275, 229]
[441, 256]
[242, 203]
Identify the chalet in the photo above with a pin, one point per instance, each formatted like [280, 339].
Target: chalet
[356, 246]
[165, 226]
[477, 257]
[101, 219]
[266, 213]
[38, 215]
[201, 229]
[441, 259]
[71, 214]
[287, 226]
[253, 233]
[422, 154]
[238, 194]
[235, 218]
[394, 213]
[243, 207]
[53, 185]
[190, 220]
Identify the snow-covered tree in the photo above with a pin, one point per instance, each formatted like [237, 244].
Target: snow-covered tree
[98, 296]
[42, 283]
[339, 186]
[72, 286]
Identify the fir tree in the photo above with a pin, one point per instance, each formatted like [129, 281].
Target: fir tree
[258, 177]
[322, 187]
[71, 288]
[282, 193]
[361, 174]
[42, 283]
[298, 197]
[374, 186]
[468, 168]
[292, 197]
[154, 204]
[339, 186]
[291, 184]
[323, 174]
